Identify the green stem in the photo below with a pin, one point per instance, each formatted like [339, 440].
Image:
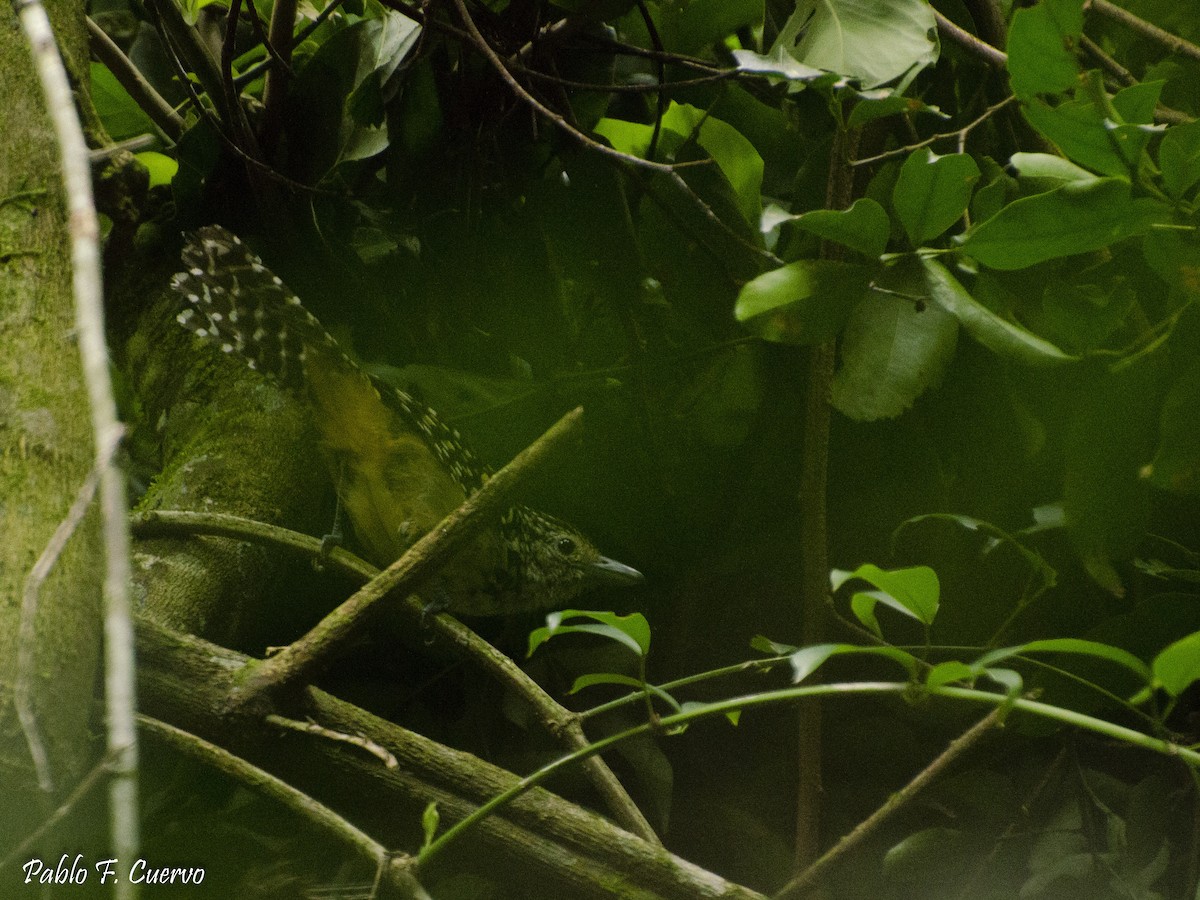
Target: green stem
[787, 695]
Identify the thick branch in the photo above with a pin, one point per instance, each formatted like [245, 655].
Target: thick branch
[184, 681]
[445, 633]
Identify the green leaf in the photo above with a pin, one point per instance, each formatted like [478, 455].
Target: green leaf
[932, 192]
[1001, 336]
[1046, 165]
[430, 820]
[765, 645]
[807, 660]
[121, 115]
[632, 631]
[586, 681]
[1179, 158]
[911, 859]
[1082, 132]
[703, 23]
[949, 672]
[1178, 666]
[913, 591]
[1176, 464]
[871, 41]
[893, 350]
[1075, 218]
[1075, 647]
[863, 227]
[1008, 679]
[1040, 43]
[162, 168]
[778, 66]
[804, 302]
[1136, 104]
[734, 155]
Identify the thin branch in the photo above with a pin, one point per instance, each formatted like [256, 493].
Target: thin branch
[959, 133]
[280, 36]
[1172, 42]
[650, 88]
[27, 630]
[161, 112]
[382, 754]
[515, 86]
[301, 36]
[996, 58]
[1107, 63]
[661, 74]
[119, 681]
[801, 884]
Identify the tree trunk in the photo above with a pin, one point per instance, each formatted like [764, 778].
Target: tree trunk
[45, 450]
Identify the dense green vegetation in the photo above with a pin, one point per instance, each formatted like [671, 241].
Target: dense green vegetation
[883, 315]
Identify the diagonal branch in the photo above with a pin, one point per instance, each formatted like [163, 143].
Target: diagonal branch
[546, 112]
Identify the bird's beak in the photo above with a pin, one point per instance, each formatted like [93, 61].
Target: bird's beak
[609, 571]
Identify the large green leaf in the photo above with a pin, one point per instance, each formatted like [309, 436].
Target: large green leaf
[999, 335]
[863, 227]
[1179, 158]
[1040, 42]
[804, 302]
[1178, 666]
[1075, 218]
[734, 155]
[932, 192]
[893, 350]
[1082, 132]
[913, 591]
[871, 41]
[121, 115]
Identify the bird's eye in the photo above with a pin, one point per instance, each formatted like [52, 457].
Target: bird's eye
[566, 546]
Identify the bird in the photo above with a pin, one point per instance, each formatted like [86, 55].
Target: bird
[398, 466]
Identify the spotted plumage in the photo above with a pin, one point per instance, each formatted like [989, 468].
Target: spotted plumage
[400, 469]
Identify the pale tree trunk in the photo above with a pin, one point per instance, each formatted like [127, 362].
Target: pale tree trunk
[45, 450]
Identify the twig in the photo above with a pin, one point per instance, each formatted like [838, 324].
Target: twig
[960, 133]
[119, 689]
[661, 73]
[1107, 63]
[989, 54]
[301, 36]
[515, 86]
[801, 884]
[161, 112]
[656, 87]
[280, 36]
[356, 740]
[1172, 42]
[27, 631]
